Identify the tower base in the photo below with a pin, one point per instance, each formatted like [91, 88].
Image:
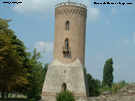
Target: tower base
[69, 77]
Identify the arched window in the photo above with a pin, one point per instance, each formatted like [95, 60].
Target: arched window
[64, 87]
[67, 43]
[67, 25]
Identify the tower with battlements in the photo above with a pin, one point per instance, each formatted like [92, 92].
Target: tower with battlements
[67, 72]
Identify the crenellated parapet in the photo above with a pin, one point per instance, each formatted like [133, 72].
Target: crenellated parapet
[71, 8]
[70, 4]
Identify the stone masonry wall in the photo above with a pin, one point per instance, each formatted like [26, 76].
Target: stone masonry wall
[112, 98]
[127, 93]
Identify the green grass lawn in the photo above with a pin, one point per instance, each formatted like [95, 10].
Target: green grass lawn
[20, 97]
[15, 99]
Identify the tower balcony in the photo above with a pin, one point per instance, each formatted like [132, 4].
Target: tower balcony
[66, 50]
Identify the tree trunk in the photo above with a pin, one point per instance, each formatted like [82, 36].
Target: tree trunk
[6, 94]
[2, 94]
[16, 95]
[10, 95]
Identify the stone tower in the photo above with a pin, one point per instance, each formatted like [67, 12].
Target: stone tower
[67, 72]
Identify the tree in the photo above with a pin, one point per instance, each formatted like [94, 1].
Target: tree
[65, 96]
[21, 50]
[44, 73]
[46, 68]
[108, 73]
[93, 86]
[12, 73]
[37, 73]
[98, 82]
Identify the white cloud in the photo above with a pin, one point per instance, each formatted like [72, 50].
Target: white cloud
[47, 7]
[114, 11]
[123, 42]
[44, 46]
[33, 7]
[93, 14]
[134, 37]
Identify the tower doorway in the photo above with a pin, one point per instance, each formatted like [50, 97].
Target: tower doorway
[64, 87]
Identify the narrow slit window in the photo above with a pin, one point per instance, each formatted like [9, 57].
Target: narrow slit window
[67, 25]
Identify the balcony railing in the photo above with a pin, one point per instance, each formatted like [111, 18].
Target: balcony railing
[66, 50]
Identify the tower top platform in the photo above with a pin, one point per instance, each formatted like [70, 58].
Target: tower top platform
[70, 4]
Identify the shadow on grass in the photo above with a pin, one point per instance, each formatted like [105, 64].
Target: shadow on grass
[15, 99]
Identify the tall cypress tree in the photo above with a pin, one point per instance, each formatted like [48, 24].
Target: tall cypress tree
[108, 73]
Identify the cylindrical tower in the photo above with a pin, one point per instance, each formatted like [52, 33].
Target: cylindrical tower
[70, 26]
[66, 72]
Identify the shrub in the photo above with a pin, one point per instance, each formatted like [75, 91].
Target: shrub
[65, 96]
[93, 86]
[104, 89]
[116, 87]
[33, 99]
[38, 98]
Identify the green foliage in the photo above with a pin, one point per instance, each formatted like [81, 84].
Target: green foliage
[93, 86]
[123, 83]
[36, 75]
[34, 79]
[15, 99]
[33, 99]
[108, 73]
[65, 96]
[44, 71]
[19, 71]
[104, 89]
[38, 98]
[46, 68]
[98, 82]
[13, 74]
[115, 87]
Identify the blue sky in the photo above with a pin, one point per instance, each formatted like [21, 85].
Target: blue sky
[110, 33]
